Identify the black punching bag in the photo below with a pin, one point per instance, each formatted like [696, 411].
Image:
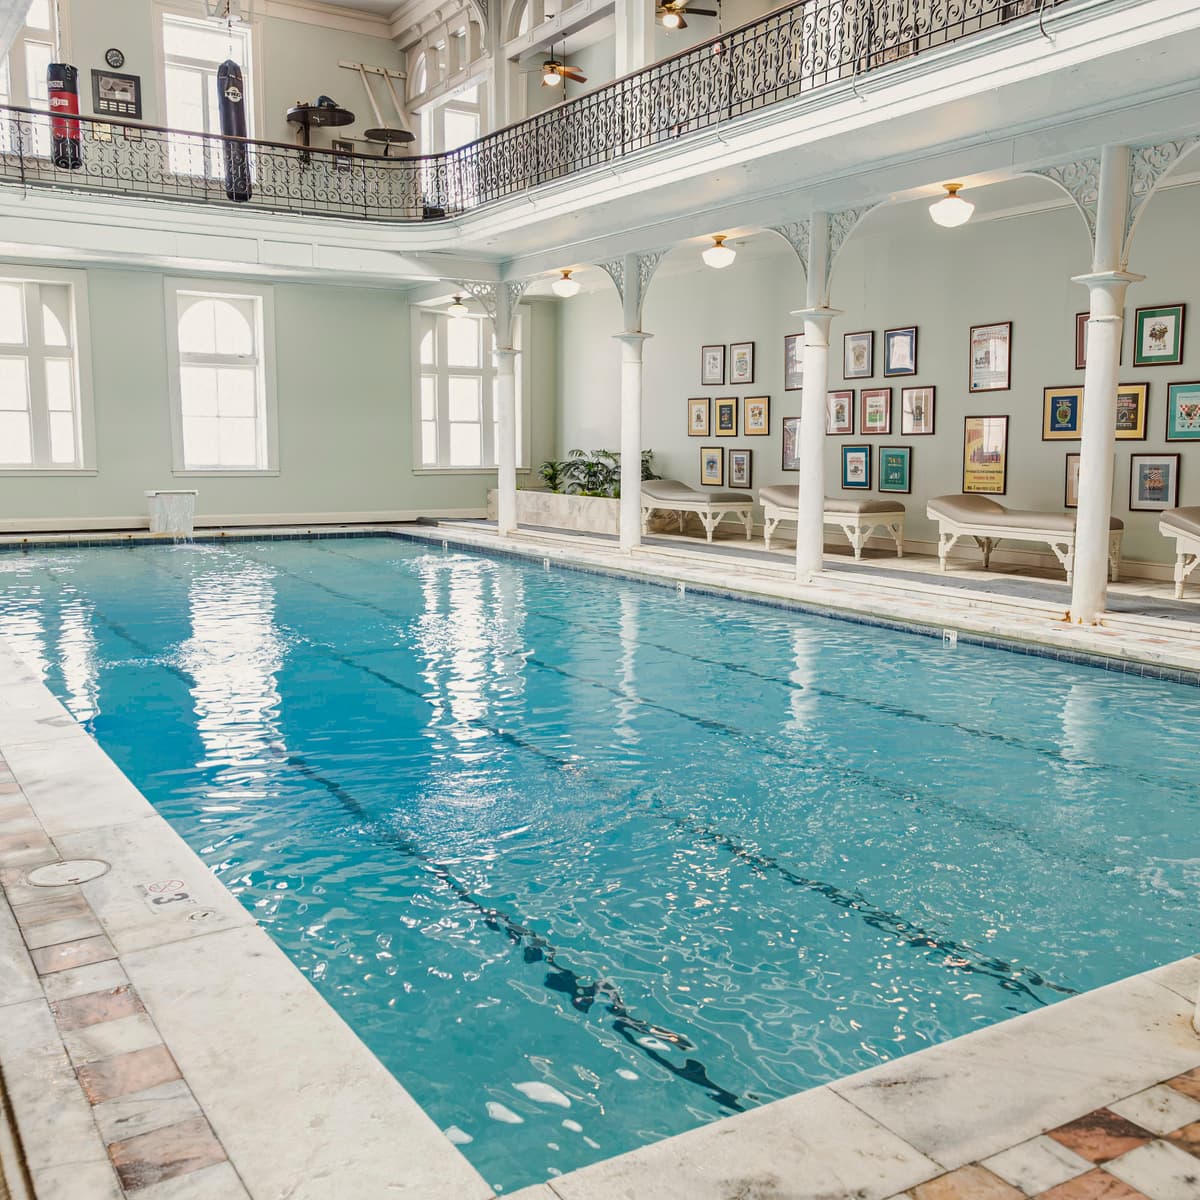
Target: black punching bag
[62, 84]
[231, 93]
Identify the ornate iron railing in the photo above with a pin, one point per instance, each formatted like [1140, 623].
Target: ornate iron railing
[784, 55]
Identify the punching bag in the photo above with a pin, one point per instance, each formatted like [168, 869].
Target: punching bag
[62, 85]
[231, 93]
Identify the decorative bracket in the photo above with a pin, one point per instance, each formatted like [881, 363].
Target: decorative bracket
[796, 234]
[500, 302]
[1148, 165]
[631, 276]
[1081, 181]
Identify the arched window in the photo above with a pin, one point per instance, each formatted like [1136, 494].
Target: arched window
[418, 78]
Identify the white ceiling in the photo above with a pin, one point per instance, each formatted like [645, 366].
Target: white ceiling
[373, 8]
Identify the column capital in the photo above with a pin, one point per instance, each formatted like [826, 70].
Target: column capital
[632, 335]
[822, 312]
[1108, 280]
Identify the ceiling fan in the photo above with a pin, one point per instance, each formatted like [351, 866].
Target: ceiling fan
[554, 71]
[671, 13]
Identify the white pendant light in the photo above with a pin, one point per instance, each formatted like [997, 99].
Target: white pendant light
[550, 76]
[719, 255]
[566, 287]
[457, 308]
[670, 20]
[951, 210]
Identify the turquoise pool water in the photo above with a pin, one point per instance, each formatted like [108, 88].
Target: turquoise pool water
[587, 863]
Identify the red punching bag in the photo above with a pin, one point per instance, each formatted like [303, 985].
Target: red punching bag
[62, 84]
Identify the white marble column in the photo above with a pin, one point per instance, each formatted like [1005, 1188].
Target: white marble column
[1106, 285]
[631, 437]
[506, 441]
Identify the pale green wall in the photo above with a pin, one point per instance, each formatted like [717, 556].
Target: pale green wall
[299, 63]
[943, 281]
[344, 388]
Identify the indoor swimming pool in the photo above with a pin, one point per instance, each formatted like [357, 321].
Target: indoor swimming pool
[587, 862]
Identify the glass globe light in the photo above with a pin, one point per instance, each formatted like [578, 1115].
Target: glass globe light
[951, 210]
[719, 255]
[566, 287]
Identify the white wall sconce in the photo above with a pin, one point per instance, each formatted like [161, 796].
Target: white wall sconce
[566, 287]
[719, 255]
[951, 210]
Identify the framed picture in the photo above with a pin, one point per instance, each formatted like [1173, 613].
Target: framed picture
[1158, 336]
[341, 154]
[985, 455]
[900, 351]
[895, 469]
[856, 466]
[839, 412]
[1153, 482]
[115, 95]
[699, 417]
[791, 443]
[712, 466]
[991, 357]
[1081, 339]
[876, 414]
[1071, 482]
[1062, 409]
[1132, 401]
[1183, 412]
[726, 416]
[916, 411]
[858, 355]
[756, 416]
[741, 362]
[793, 362]
[739, 468]
[712, 366]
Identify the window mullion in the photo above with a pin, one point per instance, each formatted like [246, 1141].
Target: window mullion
[441, 353]
[39, 410]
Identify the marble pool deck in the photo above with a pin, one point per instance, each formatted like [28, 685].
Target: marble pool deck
[155, 1043]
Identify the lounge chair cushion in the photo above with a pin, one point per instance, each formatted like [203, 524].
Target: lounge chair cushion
[979, 510]
[784, 495]
[1186, 520]
[675, 491]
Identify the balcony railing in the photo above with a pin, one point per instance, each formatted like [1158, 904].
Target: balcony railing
[784, 55]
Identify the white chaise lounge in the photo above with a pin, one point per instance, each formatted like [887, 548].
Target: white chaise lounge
[673, 495]
[858, 517]
[990, 523]
[1182, 524]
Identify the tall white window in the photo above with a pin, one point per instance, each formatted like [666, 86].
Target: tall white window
[23, 76]
[457, 419]
[223, 403]
[192, 51]
[42, 401]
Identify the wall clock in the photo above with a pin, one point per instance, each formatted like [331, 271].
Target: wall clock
[115, 58]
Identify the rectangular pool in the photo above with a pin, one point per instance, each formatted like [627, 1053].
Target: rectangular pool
[587, 863]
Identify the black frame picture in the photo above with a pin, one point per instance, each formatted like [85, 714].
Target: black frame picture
[725, 419]
[734, 458]
[698, 405]
[709, 378]
[983, 374]
[791, 443]
[897, 337]
[738, 374]
[1170, 499]
[908, 425]
[793, 362]
[124, 102]
[868, 367]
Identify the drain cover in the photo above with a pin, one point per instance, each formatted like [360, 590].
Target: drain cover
[75, 870]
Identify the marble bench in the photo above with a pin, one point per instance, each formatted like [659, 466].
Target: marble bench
[1182, 524]
[990, 523]
[858, 517]
[673, 495]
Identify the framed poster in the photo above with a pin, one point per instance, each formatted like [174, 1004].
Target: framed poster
[726, 416]
[712, 366]
[712, 466]
[1183, 412]
[895, 469]
[699, 419]
[756, 416]
[985, 455]
[858, 355]
[900, 351]
[116, 95]
[739, 468]
[793, 362]
[741, 362]
[1081, 340]
[839, 412]
[856, 466]
[1153, 482]
[1071, 482]
[991, 357]
[1132, 401]
[791, 443]
[1062, 409]
[1158, 336]
[916, 411]
[876, 416]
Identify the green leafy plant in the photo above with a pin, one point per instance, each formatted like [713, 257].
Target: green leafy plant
[590, 472]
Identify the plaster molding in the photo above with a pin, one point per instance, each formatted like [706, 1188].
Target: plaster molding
[327, 16]
[1148, 166]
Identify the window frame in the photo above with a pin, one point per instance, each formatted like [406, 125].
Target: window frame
[81, 361]
[487, 372]
[194, 10]
[175, 287]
